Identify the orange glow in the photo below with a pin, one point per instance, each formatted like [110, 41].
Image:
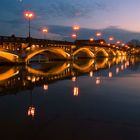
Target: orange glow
[110, 74]
[117, 70]
[45, 30]
[73, 79]
[101, 42]
[118, 42]
[127, 63]
[76, 27]
[9, 56]
[122, 67]
[91, 39]
[91, 74]
[29, 14]
[31, 111]
[33, 79]
[76, 91]
[74, 35]
[46, 87]
[8, 74]
[98, 34]
[111, 38]
[98, 80]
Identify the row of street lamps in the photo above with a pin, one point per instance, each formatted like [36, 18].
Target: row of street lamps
[29, 15]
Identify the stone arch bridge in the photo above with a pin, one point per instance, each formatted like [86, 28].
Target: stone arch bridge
[22, 50]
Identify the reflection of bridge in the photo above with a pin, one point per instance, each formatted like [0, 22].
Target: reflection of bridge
[18, 78]
[15, 49]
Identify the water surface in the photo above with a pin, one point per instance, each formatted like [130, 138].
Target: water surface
[81, 100]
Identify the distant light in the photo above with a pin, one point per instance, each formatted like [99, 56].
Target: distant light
[117, 70]
[91, 74]
[111, 38]
[98, 34]
[76, 27]
[118, 42]
[29, 14]
[91, 39]
[74, 35]
[98, 80]
[76, 91]
[74, 79]
[122, 67]
[110, 74]
[46, 87]
[45, 30]
[127, 63]
[31, 111]
[102, 42]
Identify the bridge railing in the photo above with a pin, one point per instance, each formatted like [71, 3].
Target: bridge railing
[32, 40]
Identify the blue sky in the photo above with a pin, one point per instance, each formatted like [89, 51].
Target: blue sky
[93, 14]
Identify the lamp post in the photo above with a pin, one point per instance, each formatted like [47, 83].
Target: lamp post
[76, 28]
[29, 15]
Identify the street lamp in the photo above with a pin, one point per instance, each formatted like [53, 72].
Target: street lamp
[29, 15]
[45, 31]
[76, 28]
[91, 39]
[111, 38]
[74, 36]
[118, 42]
[98, 34]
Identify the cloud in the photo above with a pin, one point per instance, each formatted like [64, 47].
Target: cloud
[84, 33]
[66, 8]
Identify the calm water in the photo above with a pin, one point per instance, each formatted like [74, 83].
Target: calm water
[81, 100]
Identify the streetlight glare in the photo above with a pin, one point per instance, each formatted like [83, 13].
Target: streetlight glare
[98, 34]
[118, 42]
[29, 14]
[91, 39]
[45, 30]
[76, 27]
[111, 38]
[74, 36]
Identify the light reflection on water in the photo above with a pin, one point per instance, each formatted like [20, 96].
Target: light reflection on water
[85, 99]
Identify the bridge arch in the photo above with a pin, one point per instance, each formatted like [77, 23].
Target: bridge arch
[84, 68]
[86, 50]
[9, 56]
[100, 51]
[57, 70]
[8, 74]
[54, 50]
[111, 52]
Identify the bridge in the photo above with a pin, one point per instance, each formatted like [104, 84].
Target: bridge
[22, 50]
